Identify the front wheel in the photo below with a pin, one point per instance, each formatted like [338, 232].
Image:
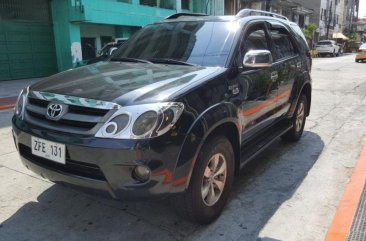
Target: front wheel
[210, 183]
[298, 121]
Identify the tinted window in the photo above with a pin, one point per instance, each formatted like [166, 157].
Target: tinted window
[282, 43]
[196, 42]
[256, 40]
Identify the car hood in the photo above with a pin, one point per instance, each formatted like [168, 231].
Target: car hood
[127, 83]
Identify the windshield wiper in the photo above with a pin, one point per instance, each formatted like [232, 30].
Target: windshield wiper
[125, 59]
[169, 61]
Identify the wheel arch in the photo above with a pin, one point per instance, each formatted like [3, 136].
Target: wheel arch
[306, 90]
[204, 128]
[304, 87]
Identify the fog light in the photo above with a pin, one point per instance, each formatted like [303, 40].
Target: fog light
[141, 173]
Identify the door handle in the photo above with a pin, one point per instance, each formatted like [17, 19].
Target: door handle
[274, 76]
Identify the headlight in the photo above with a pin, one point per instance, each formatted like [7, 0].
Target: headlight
[20, 104]
[145, 123]
[141, 121]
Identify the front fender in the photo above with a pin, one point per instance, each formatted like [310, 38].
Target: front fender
[201, 128]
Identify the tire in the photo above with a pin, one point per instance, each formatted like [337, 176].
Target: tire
[196, 203]
[334, 54]
[298, 121]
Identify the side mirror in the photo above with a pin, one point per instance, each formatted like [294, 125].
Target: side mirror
[112, 50]
[258, 59]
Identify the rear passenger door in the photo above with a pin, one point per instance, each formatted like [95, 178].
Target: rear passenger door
[287, 64]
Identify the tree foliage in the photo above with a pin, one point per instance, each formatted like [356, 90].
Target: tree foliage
[309, 30]
[352, 36]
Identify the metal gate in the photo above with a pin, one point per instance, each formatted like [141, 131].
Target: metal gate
[27, 47]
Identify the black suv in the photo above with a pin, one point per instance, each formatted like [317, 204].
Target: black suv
[179, 110]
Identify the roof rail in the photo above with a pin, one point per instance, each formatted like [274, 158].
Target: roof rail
[248, 12]
[177, 15]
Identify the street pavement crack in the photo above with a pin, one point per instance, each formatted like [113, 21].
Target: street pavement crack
[41, 179]
[7, 153]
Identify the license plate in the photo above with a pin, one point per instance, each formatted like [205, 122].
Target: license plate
[47, 149]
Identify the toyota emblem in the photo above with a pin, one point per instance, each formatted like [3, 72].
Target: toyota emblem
[55, 111]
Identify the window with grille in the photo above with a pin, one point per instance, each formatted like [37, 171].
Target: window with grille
[37, 10]
[151, 3]
[185, 4]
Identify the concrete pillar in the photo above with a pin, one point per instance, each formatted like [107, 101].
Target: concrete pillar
[67, 36]
[179, 6]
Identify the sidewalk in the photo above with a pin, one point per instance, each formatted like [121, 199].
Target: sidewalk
[349, 223]
[9, 91]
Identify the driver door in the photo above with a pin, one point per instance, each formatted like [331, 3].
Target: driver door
[259, 85]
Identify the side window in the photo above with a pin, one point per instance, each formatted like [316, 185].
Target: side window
[282, 43]
[255, 39]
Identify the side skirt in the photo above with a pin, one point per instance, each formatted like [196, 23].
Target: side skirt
[251, 149]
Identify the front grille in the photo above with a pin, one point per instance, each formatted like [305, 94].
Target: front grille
[77, 168]
[78, 119]
[38, 102]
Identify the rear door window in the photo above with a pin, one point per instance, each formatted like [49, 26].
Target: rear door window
[282, 43]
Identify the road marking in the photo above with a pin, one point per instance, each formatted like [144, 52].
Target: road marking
[346, 210]
[7, 102]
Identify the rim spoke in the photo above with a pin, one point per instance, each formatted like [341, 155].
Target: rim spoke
[219, 184]
[207, 172]
[221, 169]
[211, 194]
[205, 190]
[214, 162]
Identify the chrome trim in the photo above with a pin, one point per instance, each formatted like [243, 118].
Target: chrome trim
[252, 59]
[134, 112]
[73, 100]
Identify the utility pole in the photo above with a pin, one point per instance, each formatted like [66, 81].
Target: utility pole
[329, 18]
[352, 16]
[268, 5]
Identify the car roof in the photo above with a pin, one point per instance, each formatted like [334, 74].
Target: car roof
[244, 16]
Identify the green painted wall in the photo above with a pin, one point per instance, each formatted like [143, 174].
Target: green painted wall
[104, 12]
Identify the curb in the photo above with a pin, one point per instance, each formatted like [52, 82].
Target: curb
[7, 102]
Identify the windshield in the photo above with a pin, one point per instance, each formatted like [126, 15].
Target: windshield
[105, 49]
[198, 42]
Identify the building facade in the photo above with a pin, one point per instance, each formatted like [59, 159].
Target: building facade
[293, 10]
[351, 12]
[42, 37]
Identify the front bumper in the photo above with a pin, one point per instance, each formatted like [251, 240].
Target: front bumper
[104, 165]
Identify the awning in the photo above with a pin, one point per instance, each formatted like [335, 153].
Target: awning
[339, 36]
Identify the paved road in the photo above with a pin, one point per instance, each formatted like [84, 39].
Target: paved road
[290, 192]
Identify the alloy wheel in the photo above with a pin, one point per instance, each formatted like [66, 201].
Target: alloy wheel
[214, 179]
